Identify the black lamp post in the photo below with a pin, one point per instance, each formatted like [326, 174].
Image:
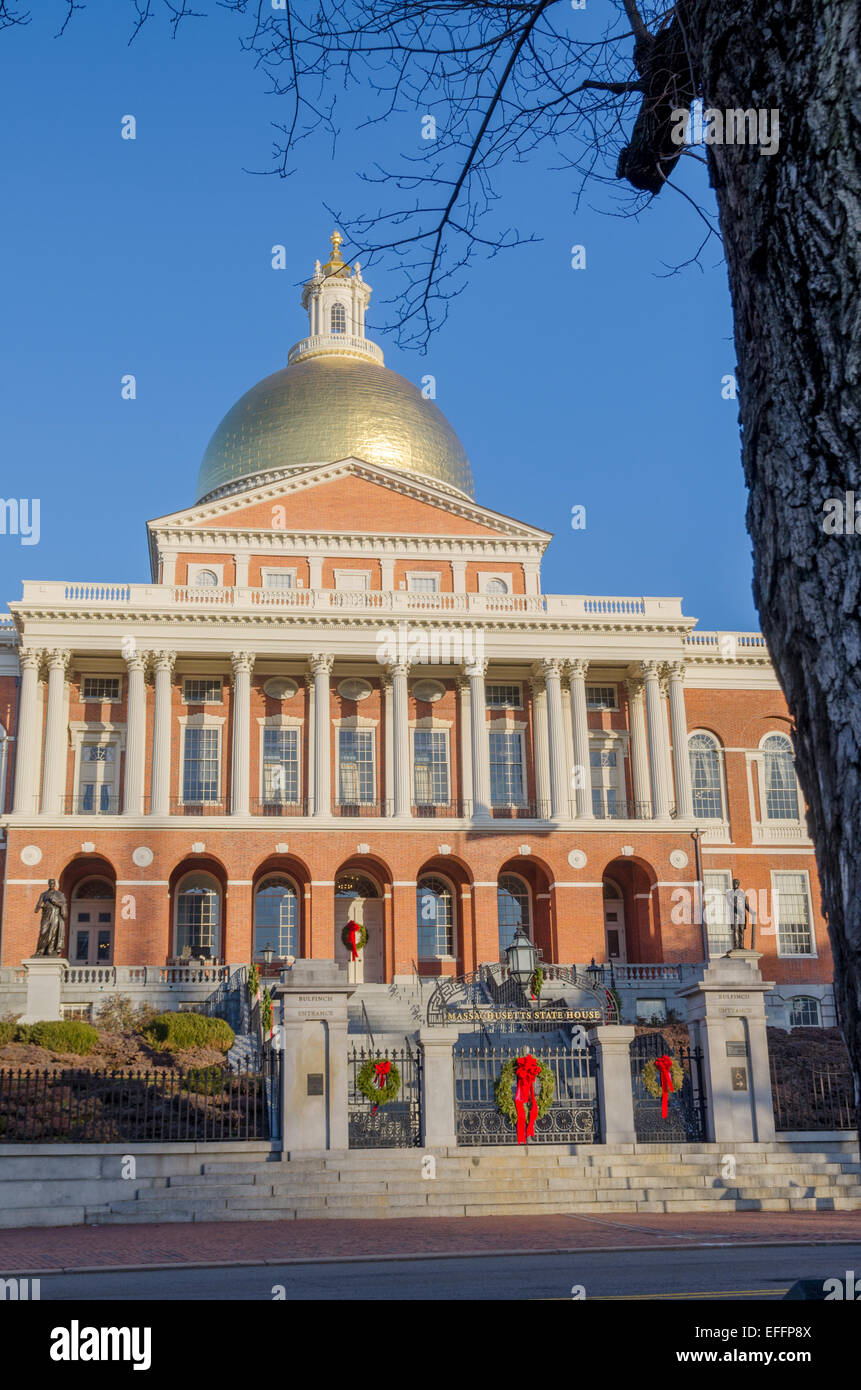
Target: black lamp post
[595, 973]
[268, 956]
[522, 958]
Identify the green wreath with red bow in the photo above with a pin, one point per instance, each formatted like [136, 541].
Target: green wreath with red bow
[379, 1080]
[355, 938]
[661, 1077]
[515, 1093]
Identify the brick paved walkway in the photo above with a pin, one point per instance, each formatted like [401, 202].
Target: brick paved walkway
[37, 1250]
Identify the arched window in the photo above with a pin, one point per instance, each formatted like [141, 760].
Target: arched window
[778, 770]
[198, 916]
[276, 917]
[206, 579]
[4, 746]
[496, 586]
[706, 779]
[338, 319]
[434, 918]
[92, 889]
[804, 1012]
[512, 909]
[355, 886]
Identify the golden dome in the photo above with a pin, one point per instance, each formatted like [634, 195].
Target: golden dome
[329, 407]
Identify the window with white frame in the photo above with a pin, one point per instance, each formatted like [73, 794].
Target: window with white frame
[279, 579]
[716, 885]
[338, 319]
[605, 766]
[791, 896]
[704, 754]
[280, 767]
[804, 1012]
[202, 690]
[276, 917]
[602, 697]
[495, 585]
[198, 912]
[423, 583]
[356, 781]
[205, 579]
[201, 772]
[351, 581]
[512, 909]
[503, 696]
[434, 918]
[506, 768]
[97, 779]
[102, 688]
[779, 786]
[430, 767]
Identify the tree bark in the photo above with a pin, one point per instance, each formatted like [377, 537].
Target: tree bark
[791, 226]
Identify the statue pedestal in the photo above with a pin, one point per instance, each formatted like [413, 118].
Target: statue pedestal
[44, 988]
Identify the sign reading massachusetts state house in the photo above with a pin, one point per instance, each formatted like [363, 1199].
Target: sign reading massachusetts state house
[490, 996]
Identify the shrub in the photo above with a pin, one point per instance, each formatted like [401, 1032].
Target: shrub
[24, 1032]
[116, 1014]
[64, 1035]
[181, 1032]
[204, 1081]
[7, 1033]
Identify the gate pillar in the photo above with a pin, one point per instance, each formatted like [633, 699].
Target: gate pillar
[726, 1018]
[615, 1098]
[314, 1056]
[438, 1099]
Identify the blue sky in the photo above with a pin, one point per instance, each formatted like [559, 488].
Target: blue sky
[599, 387]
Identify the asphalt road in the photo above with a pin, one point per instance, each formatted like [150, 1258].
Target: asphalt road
[745, 1273]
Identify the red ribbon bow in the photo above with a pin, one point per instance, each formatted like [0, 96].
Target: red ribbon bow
[665, 1068]
[381, 1076]
[354, 931]
[527, 1071]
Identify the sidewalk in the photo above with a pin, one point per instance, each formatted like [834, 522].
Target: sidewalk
[70, 1248]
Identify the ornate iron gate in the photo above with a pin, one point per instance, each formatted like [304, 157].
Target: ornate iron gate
[572, 1118]
[686, 1109]
[397, 1125]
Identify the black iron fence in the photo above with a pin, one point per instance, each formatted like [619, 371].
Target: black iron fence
[208, 1103]
[812, 1096]
[396, 1125]
[686, 1107]
[571, 1119]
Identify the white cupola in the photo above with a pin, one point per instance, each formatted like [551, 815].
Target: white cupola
[336, 298]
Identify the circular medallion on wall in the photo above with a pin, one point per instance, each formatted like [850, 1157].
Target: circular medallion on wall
[280, 687]
[354, 688]
[428, 691]
[31, 854]
[577, 859]
[679, 859]
[142, 856]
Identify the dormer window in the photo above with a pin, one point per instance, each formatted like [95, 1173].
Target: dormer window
[338, 320]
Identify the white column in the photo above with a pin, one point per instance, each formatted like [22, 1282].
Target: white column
[161, 734]
[389, 748]
[399, 671]
[639, 751]
[678, 720]
[657, 740]
[241, 559]
[321, 666]
[458, 576]
[315, 571]
[540, 745]
[243, 663]
[135, 734]
[465, 745]
[54, 768]
[580, 719]
[310, 782]
[27, 737]
[480, 749]
[387, 572]
[559, 773]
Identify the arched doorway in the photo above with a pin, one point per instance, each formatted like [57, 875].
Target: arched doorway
[91, 922]
[614, 923]
[358, 897]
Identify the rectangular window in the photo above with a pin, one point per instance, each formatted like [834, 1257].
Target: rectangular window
[356, 767]
[352, 580]
[716, 885]
[280, 766]
[278, 579]
[791, 894]
[601, 697]
[423, 583]
[200, 769]
[604, 765]
[503, 696]
[100, 688]
[205, 690]
[96, 793]
[506, 769]
[430, 767]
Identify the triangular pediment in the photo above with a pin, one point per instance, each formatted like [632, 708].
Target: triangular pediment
[350, 498]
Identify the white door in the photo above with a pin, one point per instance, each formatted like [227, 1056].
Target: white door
[370, 965]
[614, 928]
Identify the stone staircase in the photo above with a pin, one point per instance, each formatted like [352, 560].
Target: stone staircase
[244, 1054]
[394, 1011]
[508, 1181]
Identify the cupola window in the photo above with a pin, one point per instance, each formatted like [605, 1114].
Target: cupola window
[338, 319]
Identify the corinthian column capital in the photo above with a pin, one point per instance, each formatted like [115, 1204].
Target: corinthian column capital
[321, 663]
[651, 669]
[676, 670]
[242, 662]
[578, 668]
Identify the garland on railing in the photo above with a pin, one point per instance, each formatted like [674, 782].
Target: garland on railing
[535, 984]
[266, 1013]
[253, 980]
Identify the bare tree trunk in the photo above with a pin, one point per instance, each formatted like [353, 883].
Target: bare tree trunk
[791, 224]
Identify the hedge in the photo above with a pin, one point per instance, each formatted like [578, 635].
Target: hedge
[62, 1035]
[181, 1032]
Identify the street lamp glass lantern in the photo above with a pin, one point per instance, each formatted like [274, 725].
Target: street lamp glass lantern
[522, 957]
[268, 955]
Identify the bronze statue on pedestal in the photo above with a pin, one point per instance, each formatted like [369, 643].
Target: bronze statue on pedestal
[52, 931]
